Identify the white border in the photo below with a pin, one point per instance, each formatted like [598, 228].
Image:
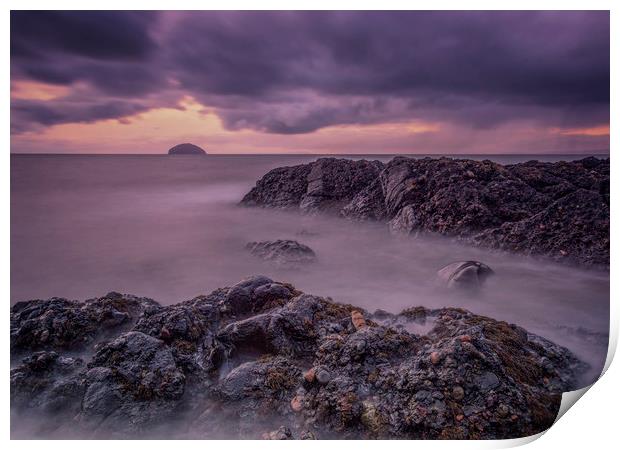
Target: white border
[592, 422]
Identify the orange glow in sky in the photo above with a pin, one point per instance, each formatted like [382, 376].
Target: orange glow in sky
[32, 90]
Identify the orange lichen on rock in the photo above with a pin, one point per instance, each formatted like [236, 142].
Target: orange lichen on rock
[310, 375]
[296, 403]
[358, 319]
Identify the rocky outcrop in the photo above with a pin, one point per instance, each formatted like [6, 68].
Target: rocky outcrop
[261, 359]
[326, 185]
[283, 253]
[557, 210]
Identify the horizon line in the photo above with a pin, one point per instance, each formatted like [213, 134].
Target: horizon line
[597, 152]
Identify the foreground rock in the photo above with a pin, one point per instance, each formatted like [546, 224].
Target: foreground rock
[283, 253]
[261, 359]
[557, 210]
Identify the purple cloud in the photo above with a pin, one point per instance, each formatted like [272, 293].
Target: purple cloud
[296, 72]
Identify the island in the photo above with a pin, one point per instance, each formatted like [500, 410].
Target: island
[186, 149]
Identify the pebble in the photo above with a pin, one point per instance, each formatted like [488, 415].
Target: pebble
[307, 435]
[296, 403]
[502, 410]
[459, 417]
[435, 358]
[310, 375]
[280, 434]
[487, 381]
[322, 376]
[358, 319]
[458, 393]
[164, 333]
[465, 338]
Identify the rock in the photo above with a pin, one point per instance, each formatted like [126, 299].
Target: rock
[322, 376]
[310, 375]
[468, 275]
[458, 393]
[132, 381]
[307, 435]
[186, 149]
[357, 318]
[283, 253]
[229, 364]
[49, 384]
[61, 324]
[325, 185]
[573, 228]
[281, 434]
[518, 207]
[296, 403]
[487, 381]
[370, 418]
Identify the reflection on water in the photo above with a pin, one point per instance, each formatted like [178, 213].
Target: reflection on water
[169, 228]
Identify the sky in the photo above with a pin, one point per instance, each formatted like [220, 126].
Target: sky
[429, 82]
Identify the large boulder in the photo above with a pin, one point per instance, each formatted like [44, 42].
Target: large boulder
[283, 253]
[261, 356]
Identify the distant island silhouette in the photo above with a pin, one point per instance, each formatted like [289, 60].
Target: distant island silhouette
[186, 149]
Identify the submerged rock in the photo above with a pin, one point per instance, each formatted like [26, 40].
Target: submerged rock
[468, 275]
[283, 253]
[234, 363]
[557, 210]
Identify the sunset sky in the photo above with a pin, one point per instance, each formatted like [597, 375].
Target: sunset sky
[310, 82]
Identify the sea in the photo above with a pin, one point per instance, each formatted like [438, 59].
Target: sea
[170, 228]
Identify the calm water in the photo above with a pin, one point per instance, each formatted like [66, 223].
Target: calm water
[169, 228]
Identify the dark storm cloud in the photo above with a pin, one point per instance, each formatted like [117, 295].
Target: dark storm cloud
[29, 113]
[295, 72]
[95, 34]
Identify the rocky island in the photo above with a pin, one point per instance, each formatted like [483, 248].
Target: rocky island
[555, 210]
[261, 359]
[186, 149]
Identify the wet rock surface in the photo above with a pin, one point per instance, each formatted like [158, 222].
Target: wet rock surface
[59, 323]
[464, 275]
[283, 253]
[557, 210]
[261, 359]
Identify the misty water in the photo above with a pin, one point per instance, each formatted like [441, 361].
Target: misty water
[169, 228]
